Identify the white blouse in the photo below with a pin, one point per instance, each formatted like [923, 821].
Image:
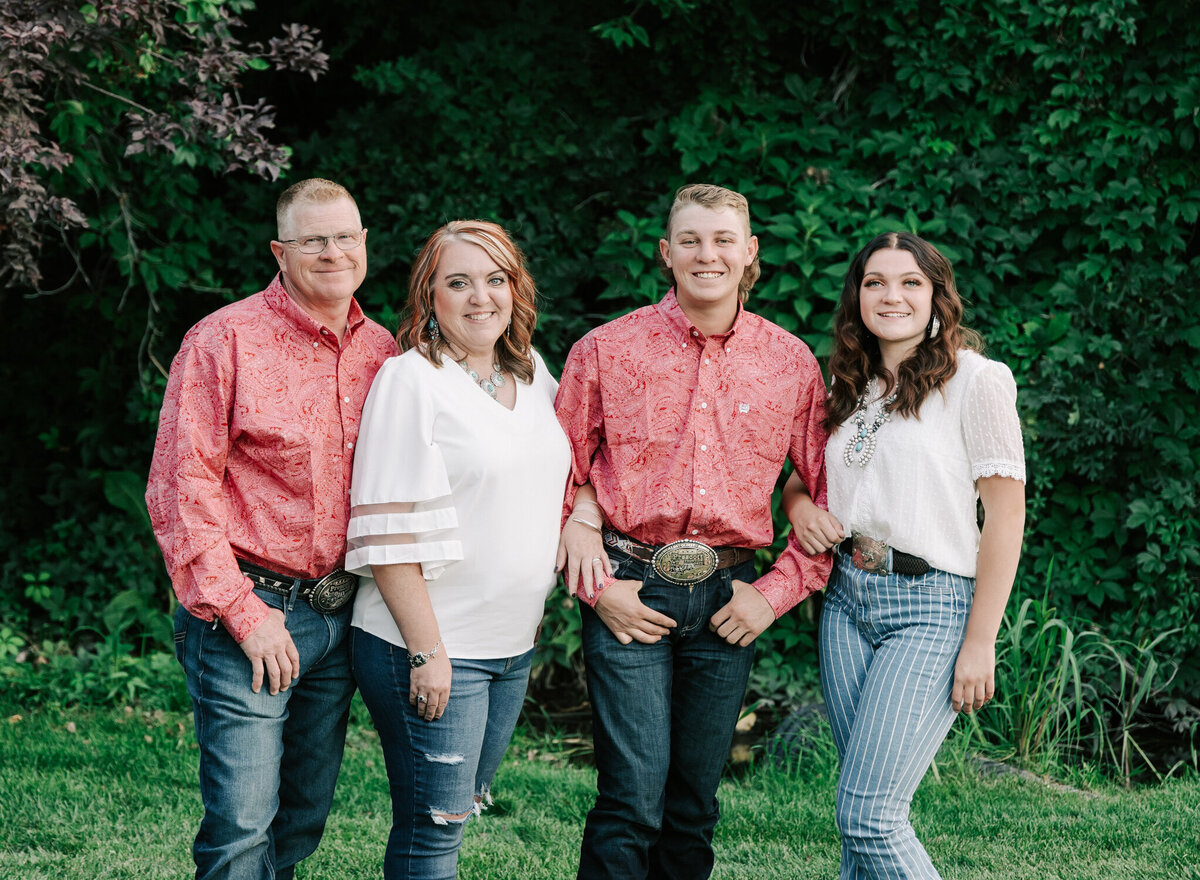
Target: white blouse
[449, 478]
[917, 492]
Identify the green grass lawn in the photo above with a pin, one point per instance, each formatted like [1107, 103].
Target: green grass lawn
[113, 794]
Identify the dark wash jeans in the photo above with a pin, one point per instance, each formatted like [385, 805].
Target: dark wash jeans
[663, 718]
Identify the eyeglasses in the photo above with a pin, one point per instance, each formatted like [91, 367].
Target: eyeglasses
[316, 244]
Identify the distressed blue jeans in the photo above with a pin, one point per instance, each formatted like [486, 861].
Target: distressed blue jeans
[888, 645]
[268, 764]
[436, 769]
[663, 718]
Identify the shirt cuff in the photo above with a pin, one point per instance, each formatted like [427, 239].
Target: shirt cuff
[597, 590]
[781, 593]
[246, 617]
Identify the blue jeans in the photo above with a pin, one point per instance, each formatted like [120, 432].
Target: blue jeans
[663, 719]
[268, 764]
[888, 646]
[437, 769]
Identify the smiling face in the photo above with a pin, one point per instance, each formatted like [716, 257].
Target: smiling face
[322, 284]
[896, 302]
[472, 299]
[707, 251]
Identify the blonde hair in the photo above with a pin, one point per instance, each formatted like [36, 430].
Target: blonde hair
[314, 190]
[715, 198]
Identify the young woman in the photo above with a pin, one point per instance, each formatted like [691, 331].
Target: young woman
[456, 500]
[922, 427]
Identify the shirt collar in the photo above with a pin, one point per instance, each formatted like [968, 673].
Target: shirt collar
[671, 312]
[286, 307]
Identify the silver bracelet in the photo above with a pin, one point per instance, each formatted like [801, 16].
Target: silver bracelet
[588, 523]
[420, 658]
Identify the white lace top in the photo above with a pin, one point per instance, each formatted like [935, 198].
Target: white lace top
[446, 477]
[917, 492]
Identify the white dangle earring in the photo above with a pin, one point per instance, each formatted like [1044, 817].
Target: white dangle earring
[934, 326]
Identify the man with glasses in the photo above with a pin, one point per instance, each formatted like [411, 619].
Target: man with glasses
[249, 497]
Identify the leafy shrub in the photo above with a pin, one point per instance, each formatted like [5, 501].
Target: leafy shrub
[58, 674]
[1049, 152]
[1048, 149]
[89, 578]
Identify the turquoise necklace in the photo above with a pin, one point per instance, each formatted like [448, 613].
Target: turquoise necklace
[491, 384]
[861, 445]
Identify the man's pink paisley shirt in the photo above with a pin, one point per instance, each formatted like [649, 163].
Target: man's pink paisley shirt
[684, 436]
[254, 451]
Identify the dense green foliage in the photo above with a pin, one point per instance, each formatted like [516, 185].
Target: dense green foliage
[1047, 149]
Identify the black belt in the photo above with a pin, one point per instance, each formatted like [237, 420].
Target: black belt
[684, 562]
[868, 554]
[325, 594]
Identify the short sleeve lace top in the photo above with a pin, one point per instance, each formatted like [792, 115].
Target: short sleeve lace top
[917, 490]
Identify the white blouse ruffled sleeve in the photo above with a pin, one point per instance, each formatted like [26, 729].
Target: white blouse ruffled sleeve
[401, 509]
[991, 426]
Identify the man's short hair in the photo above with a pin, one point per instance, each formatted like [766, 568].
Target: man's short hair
[715, 198]
[314, 190]
[708, 195]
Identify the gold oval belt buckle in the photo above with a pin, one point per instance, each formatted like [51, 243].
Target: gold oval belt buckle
[684, 562]
[333, 591]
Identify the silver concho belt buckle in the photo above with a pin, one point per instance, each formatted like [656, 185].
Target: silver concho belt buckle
[684, 562]
[333, 591]
[871, 555]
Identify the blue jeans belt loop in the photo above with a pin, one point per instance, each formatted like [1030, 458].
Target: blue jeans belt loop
[685, 562]
[868, 554]
[325, 594]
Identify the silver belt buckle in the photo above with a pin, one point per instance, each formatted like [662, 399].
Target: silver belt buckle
[871, 555]
[684, 562]
[333, 591]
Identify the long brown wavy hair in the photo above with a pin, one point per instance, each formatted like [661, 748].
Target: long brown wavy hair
[513, 348]
[856, 358]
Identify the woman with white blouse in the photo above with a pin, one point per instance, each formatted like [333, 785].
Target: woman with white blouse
[456, 500]
[921, 427]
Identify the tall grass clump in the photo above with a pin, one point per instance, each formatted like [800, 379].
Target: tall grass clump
[1068, 695]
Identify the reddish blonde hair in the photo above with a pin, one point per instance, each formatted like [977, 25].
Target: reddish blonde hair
[513, 348]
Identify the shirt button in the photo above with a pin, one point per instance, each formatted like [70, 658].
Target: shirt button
[695, 332]
[316, 345]
[707, 361]
[345, 400]
[695, 531]
[704, 447]
[704, 406]
[685, 345]
[703, 491]
[349, 445]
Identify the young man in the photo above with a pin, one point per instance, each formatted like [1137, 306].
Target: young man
[249, 495]
[680, 416]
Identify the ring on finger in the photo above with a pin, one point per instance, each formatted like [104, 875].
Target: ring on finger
[596, 559]
[421, 698]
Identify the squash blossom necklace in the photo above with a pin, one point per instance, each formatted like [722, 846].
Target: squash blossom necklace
[861, 445]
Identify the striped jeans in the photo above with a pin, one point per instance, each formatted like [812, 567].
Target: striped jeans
[888, 646]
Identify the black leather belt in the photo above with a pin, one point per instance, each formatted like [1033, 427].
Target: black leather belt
[325, 594]
[685, 562]
[867, 554]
